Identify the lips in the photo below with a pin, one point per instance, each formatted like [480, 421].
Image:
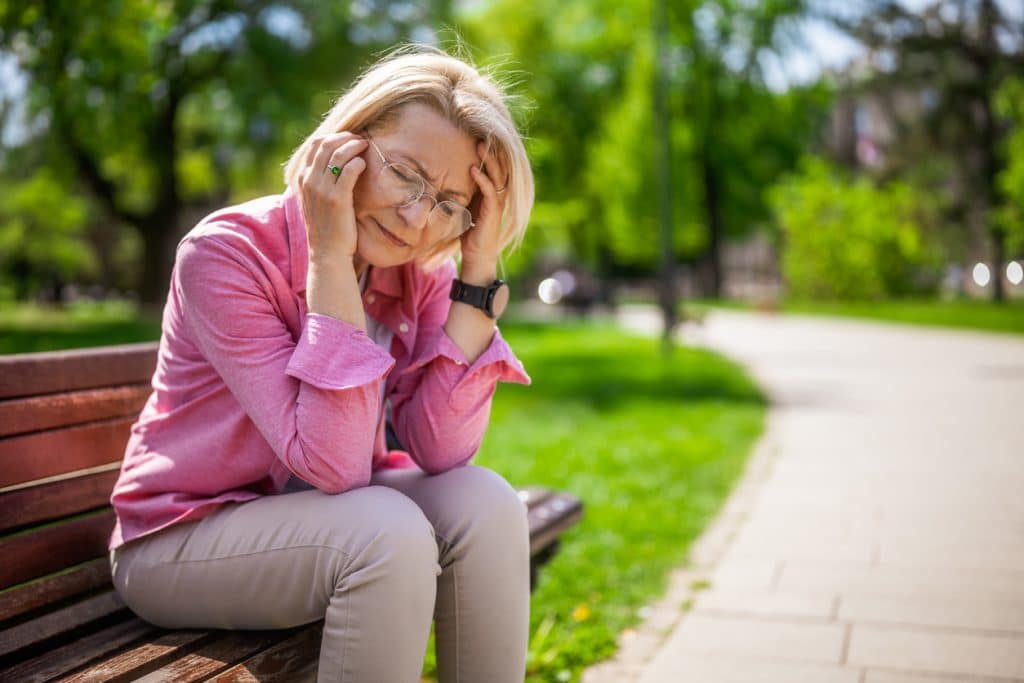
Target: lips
[391, 237]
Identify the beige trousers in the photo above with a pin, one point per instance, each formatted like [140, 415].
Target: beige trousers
[375, 563]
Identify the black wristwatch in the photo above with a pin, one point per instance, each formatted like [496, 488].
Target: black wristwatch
[491, 299]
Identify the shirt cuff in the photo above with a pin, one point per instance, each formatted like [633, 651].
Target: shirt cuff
[498, 353]
[332, 354]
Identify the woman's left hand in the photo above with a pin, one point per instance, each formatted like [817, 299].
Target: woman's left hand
[481, 243]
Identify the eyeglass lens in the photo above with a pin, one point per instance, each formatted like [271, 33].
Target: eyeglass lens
[404, 186]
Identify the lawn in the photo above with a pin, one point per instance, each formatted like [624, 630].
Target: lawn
[964, 314]
[651, 445]
[26, 328]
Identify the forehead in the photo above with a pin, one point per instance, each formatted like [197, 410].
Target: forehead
[421, 136]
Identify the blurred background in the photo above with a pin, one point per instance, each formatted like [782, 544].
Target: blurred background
[850, 158]
[759, 151]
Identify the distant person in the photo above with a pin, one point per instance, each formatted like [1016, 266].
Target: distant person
[257, 490]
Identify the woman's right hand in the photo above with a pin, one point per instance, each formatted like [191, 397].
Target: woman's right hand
[326, 198]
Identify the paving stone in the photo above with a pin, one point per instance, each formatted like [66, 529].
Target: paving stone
[889, 677]
[701, 668]
[936, 651]
[765, 603]
[936, 583]
[821, 643]
[977, 613]
[749, 573]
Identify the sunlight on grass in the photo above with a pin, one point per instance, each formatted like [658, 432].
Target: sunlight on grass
[28, 328]
[651, 446]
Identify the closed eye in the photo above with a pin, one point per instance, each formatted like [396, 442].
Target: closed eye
[406, 176]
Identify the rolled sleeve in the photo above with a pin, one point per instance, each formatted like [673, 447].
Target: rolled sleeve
[496, 364]
[314, 400]
[332, 354]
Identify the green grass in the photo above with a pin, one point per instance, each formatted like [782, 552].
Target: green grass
[27, 328]
[651, 445]
[964, 314]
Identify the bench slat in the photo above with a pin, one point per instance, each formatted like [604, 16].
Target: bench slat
[142, 658]
[50, 665]
[46, 454]
[57, 499]
[60, 621]
[549, 519]
[49, 549]
[533, 495]
[291, 660]
[24, 415]
[214, 657]
[30, 596]
[51, 372]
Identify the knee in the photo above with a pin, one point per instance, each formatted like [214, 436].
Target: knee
[488, 506]
[395, 535]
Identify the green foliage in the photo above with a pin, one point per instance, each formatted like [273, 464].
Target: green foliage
[42, 234]
[1010, 104]
[157, 112]
[589, 93]
[849, 240]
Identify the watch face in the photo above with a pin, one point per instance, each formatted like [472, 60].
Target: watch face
[499, 301]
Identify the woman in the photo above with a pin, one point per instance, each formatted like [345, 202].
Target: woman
[257, 490]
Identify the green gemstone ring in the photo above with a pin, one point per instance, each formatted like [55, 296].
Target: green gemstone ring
[335, 170]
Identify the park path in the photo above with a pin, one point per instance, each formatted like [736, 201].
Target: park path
[878, 535]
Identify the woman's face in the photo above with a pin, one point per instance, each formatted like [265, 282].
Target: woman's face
[423, 140]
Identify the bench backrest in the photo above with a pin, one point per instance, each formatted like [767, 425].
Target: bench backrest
[65, 418]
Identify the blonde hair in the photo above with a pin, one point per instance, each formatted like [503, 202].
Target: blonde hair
[473, 102]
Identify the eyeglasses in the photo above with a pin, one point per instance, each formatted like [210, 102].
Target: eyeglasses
[403, 186]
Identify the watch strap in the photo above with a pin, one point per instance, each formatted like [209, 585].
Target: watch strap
[476, 296]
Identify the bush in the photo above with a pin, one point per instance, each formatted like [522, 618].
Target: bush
[850, 240]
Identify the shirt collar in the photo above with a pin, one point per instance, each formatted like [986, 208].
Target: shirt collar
[386, 281]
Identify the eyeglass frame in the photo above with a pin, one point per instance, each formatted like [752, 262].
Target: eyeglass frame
[425, 183]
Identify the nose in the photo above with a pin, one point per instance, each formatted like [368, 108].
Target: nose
[416, 214]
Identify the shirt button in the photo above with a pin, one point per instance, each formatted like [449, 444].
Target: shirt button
[370, 299]
[403, 328]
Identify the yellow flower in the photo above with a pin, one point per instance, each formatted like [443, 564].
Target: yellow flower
[581, 613]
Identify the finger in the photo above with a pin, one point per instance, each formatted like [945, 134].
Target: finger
[491, 166]
[307, 162]
[314, 148]
[339, 156]
[351, 168]
[485, 184]
[328, 145]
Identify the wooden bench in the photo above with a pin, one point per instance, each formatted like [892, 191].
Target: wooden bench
[64, 423]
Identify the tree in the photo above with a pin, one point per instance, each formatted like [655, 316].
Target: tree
[158, 111]
[955, 54]
[850, 239]
[590, 96]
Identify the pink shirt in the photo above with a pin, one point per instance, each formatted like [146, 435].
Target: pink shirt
[250, 388]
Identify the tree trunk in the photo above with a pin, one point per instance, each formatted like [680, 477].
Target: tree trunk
[159, 241]
[667, 297]
[713, 212]
[990, 150]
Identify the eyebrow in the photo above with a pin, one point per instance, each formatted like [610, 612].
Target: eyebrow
[423, 172]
